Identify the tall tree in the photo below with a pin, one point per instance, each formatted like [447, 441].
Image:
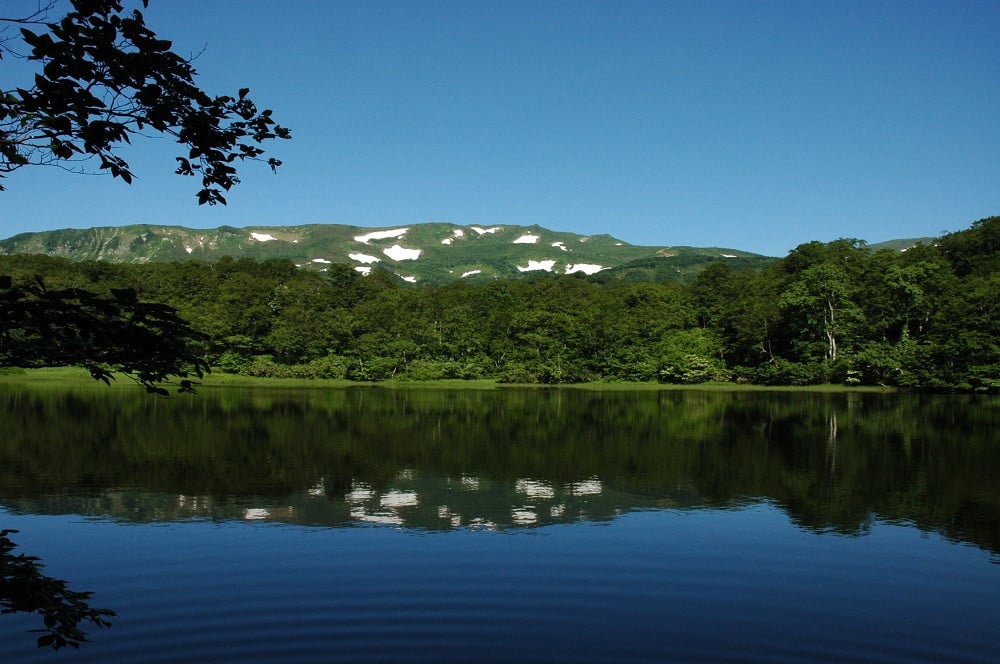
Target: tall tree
[819, 301]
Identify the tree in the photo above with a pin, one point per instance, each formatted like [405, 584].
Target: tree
[106, 77]
[105, 334]
[819, 300]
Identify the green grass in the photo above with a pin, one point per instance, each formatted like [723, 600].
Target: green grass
[74, 375]
[220, 379]
[48, 374]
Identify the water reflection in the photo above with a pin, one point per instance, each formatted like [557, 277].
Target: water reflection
[25, 588]
[502, 459]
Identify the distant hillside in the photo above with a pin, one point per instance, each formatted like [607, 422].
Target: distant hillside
[902, 245]
[432, 253]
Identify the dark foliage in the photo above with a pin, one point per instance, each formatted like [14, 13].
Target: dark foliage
[108, 334]
[24, 588]
[104, 78]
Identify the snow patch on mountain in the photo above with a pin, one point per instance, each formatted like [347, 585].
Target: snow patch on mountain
[560, 245]
[380, 235]
[482, 231]
[321, 260]
[364, 258]
[470, 273]
[262, 237]
[586, 268]
[457, 233]
[365, 270]
[537, 265]
[398, 253]
[527, 238]
[412, 280]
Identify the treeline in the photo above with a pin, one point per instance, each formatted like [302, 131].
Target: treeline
[927, 317]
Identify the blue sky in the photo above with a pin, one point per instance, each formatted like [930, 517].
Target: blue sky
[748, 125]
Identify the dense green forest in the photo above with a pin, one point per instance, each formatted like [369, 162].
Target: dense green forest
[927, 317]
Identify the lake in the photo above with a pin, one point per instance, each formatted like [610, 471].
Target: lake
[509, 525]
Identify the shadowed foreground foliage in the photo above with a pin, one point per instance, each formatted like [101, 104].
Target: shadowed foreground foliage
[24, 588]
[105, 77]
[106, 334]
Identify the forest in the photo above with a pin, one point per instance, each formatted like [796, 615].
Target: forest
[838, 312]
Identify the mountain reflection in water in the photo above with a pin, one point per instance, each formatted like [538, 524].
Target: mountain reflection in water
[502, 459]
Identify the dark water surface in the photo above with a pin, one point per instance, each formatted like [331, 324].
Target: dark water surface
[510, 525]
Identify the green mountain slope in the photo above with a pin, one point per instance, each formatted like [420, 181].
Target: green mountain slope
[431, 253]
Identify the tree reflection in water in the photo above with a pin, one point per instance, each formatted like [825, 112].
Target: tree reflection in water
[24, 588]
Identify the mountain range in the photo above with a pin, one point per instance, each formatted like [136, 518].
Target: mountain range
[429, 253]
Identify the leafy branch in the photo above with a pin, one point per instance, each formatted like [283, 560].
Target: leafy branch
[106, 77]
[24, 588]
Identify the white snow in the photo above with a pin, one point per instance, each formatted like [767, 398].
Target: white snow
[483, 231]
[458, 232]
[364, 269]
[730, 256]
[380, 235]
[188, 249]
[412, 280]
[584, 239]
[527, 238]
[586, 268]
[364, 258]
[560, 245]
[321, 260]
[398, 253]
[619, 244]
[447, 240]
[470, 273]
[537, 265]
[262, 237]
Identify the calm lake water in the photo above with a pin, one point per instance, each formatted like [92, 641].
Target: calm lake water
[512, 525]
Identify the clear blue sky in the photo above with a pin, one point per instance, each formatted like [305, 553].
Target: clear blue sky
[749, 125]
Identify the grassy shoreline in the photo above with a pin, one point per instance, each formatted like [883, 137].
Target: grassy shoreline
[73, 375]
